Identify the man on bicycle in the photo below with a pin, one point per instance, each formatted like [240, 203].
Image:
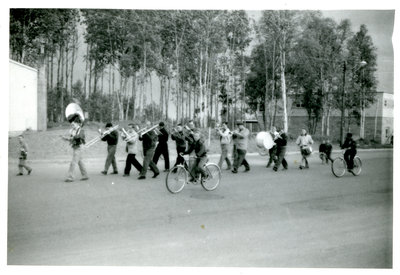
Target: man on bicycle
[201, 157]
[351, 150]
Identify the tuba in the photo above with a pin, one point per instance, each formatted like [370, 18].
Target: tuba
[72, 111]
[264, 142]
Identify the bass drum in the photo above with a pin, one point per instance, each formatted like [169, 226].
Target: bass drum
[264, 140]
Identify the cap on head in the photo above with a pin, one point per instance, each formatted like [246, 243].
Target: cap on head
[349, 135]
[239, 123]
[109, 124]
[161, 124]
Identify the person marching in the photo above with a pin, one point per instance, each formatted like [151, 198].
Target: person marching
[281, 142]
[131, 137]
[272, 152]
[200, 151]
[76, 139]
[23, 155]
[241, 140]
[225, 136]
[180, 141]
[162, 147]
[149, 144]
[351, 150]
[112, 141]
[304, 141]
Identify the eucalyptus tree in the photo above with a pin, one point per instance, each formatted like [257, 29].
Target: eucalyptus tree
[361, 51]
[282, 26]
[317, 55]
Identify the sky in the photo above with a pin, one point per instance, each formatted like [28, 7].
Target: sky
[380, 25]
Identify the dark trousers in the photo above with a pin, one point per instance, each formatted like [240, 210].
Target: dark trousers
[240, 159]
[179, 158]
[304, 155]
[162, 149]
[131, 160]
[198, 164]
[280, 153]
[326, 156]
[148, 161]
[349, 157]
[272, 156]
[111, 149]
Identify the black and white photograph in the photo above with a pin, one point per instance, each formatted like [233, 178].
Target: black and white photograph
[234, 136]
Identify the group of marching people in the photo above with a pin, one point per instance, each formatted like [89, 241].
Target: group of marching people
[188, 141]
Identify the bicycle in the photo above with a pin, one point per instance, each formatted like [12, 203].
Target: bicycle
[177, 177]
[339, 166]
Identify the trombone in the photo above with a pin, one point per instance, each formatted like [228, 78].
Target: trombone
[129, 137]
[150, 129]
[96, 139]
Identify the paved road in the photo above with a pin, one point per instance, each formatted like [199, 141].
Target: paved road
[293, 218]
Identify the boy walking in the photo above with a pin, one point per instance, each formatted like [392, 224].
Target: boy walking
[23, 149]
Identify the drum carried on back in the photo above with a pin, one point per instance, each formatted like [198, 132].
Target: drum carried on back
[264, 142]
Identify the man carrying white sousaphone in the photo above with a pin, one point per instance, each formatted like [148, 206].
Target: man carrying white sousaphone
[76, 138]
[272, 151]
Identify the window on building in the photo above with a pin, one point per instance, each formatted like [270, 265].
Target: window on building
[385, 103]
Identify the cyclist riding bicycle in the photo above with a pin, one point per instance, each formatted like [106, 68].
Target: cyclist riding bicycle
[201, 157]
[351, 150]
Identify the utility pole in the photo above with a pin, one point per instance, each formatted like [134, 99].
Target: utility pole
[342, 107]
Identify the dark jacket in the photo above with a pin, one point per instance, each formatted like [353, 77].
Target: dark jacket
[149, 140]
[198, 147]
[349, 144]
[179, 139]
[111, 138]
[281, 141]
[79, 139]
[322, 148]
[163, 137]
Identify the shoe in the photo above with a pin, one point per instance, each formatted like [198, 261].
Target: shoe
[234, 171]
[301, 167]
[166, 170]
[125, 175]
[268, 165]
[275, 169]
[141, 178]
[29, 172]
[229, 168]
[284, 168]
[104, 172]
[155, 175]
[351, 171]
[307, 167]
[85, 178]
[69, 180]
[20, 174]
[115, 172]
[247, 170]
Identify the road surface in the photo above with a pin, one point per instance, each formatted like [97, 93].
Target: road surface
[292, 218]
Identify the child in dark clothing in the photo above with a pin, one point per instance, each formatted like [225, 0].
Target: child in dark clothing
[351, 150]
[325, 151]
[23, 156]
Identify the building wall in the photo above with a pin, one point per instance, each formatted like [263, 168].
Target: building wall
[22, 97]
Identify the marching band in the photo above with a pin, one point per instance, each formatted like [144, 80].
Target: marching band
[188, 141]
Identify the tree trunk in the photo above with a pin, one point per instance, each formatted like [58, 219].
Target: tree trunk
[283, 85]
[167, 99]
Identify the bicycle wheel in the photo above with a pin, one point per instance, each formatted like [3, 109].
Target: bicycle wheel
[213, 177]
[357, 166]
[338, 167]
[176, 179]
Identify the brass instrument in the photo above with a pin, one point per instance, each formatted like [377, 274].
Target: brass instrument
[129, 137]
[71, 112]
[102, 135]
[150, 129]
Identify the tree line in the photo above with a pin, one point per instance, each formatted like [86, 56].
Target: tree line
[212, 64]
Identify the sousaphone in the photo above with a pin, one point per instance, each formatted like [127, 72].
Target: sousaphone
[264, 142]
[72, 111]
